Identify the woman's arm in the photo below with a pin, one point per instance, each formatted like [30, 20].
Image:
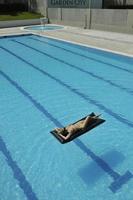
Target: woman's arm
[66, 137]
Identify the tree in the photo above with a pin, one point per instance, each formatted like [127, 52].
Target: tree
[32, 5]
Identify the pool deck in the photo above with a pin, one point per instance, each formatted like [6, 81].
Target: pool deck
[117, 42]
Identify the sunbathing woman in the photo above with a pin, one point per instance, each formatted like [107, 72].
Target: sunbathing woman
[66, 132]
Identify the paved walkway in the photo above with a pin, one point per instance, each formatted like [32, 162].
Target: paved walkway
[118, 42]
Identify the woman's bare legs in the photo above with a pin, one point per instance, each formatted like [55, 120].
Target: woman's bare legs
[89, 119]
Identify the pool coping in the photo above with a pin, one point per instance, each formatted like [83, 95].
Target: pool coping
[89, 46]
[22, 31]
[25, 28]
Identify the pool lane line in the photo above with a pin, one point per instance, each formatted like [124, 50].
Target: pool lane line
[76, 91]
[79, 54]
[129, 91]
[118, 179]
[26, 94]
[17, 172]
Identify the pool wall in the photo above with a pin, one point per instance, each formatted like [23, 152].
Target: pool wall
[117, 20]
[43, 28]
[100, 19]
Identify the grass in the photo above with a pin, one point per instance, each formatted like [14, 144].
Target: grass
[19, 16]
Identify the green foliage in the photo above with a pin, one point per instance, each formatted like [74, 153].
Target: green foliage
[11, 7]
[19, 16]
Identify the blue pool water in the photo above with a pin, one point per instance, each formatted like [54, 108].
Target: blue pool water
[46, 83]
[41, 27]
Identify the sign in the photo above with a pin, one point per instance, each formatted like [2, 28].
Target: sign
[68, 3]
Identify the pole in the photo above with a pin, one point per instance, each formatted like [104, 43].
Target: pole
[90, 14]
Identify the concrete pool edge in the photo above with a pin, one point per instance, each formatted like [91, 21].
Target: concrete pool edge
[27, 28]
[86, 45]
[22, 31]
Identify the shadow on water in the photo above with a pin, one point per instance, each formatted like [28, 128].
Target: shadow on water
[105, 165]
[94, 172]
[17, 172]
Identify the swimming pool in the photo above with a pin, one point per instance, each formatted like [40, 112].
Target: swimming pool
[46, 83]
[43, 28]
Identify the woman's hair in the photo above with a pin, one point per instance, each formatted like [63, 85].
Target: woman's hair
[64, 132]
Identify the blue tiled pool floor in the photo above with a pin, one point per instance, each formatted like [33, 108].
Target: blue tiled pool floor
[46, 83]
